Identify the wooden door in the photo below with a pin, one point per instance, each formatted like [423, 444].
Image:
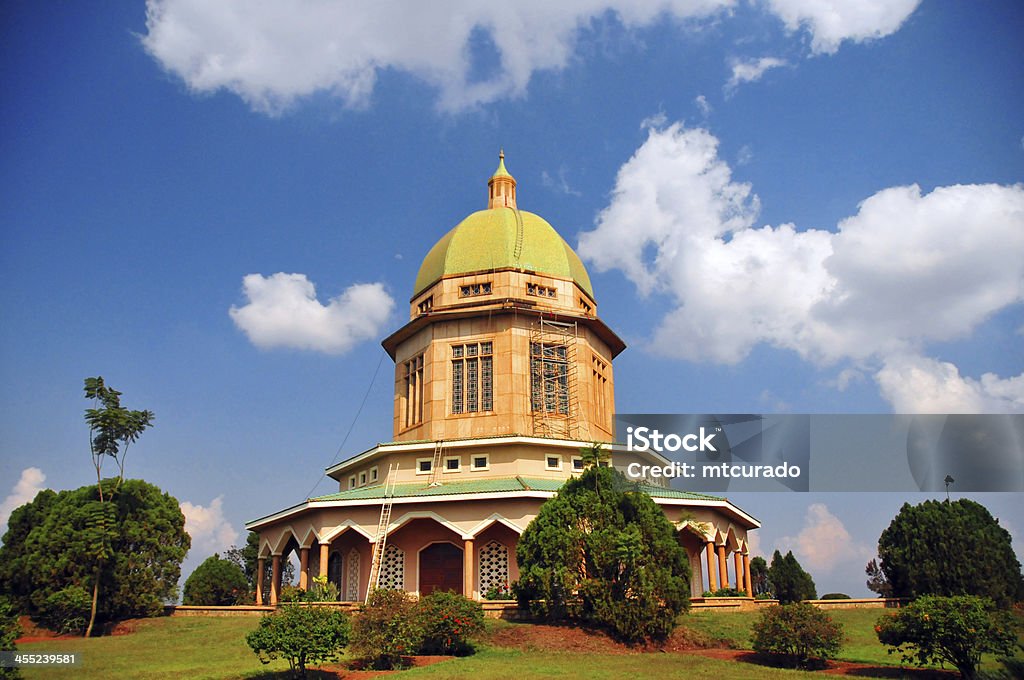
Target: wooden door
[440, 568]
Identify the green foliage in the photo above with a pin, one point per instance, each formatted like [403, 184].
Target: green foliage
[216, 582]
[790, 583]
[725, 592]
[835, 596]
[386, 629]
[956, 630]
[447, 622]
[877, 582]
[9, 632]
[759, 578]
[67, 610]
[602, 552]
[950, 548]
[323, 590]
[800, 634]
[499, 592]
[51, 545]
[301, 634]
[112, 427]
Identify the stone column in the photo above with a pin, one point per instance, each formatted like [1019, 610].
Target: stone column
[467, 569]
[723, 567]
[304, 568]
[746, 574]
[261, 569]
[275, 578]
[712, 582]
[324, 549]
[737, 561]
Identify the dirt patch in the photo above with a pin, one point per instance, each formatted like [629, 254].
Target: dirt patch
[847, 668]
[31, 632]
[343, 672]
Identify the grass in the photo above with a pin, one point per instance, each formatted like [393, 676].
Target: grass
[214, 647]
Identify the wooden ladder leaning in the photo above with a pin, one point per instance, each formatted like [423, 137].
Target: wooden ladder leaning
[382, 530]
[435, 467]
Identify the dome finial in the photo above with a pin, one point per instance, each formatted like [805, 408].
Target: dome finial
[501, 187]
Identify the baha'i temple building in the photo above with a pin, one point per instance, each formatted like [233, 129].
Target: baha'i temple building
[502, 374]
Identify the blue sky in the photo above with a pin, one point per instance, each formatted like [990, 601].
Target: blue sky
[782, 209]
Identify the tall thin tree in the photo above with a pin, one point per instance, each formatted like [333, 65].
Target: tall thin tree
[112, 428]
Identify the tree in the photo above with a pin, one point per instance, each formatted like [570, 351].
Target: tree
[950, 548]
[9, 632]
[216, 582]
[603, 552]
[301, 634]
[957, 630]
[112, 428]
[877, 582]
[759, 577]
[147, 545]
[790, 582]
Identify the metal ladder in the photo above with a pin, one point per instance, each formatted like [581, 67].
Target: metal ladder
[435, 467]
[382, 530]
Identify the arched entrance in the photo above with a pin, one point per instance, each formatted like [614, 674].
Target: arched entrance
[440, 568]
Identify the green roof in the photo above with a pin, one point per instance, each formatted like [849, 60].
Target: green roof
[486, 485]
[502, 238]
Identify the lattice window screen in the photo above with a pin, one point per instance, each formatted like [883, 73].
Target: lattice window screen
[493, 567]
[392, 569]
[352, 575]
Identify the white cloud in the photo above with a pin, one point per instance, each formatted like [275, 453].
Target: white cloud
[283, 311]
[909, 268]
[209, 530]
[559, 183]
[830, 22]
[273, 54]
[25, 489]
[702, 103]
[915, 384]
[823, 542]
[751, 70]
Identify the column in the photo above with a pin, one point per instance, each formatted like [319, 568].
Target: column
[746, 574]
[467, 569]
[275, 578]
[304, 568]
[324, 549]
[737, 562]
[261, 569]
[712, 581]
[723, 567]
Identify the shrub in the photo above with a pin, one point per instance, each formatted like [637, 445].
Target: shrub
[302, 634]
[67, 610]
[446, 622]
[499, 592]
[216, 582]
[290, 593]
[385, 629]
[835, 596]
[800, 634]
[9, 632]
[322, 591]
[955, 629]
[727, 592]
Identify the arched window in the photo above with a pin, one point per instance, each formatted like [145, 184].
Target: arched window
[494, 567]
[352, 575]
[392, 569]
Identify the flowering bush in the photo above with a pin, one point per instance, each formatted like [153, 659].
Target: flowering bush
[502, 591]
[447, 621]
[956, 629]
[800, 634]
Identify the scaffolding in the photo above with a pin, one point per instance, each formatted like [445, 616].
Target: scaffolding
[382, 530]
[553, 380]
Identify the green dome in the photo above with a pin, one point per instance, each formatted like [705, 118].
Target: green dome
[502, 238]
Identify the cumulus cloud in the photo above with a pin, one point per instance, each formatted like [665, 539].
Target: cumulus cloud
[751, 70]
[909, 268]
[25, 489]
[916, 384]
[209, 530]
[830, 22]
[272, 54]
[823, 542]
[283, 311]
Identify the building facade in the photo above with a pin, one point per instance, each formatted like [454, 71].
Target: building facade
[502, 374]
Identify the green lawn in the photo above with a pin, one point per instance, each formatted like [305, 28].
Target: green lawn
[199, 647]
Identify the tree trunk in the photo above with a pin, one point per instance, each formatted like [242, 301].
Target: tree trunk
[95, 599]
